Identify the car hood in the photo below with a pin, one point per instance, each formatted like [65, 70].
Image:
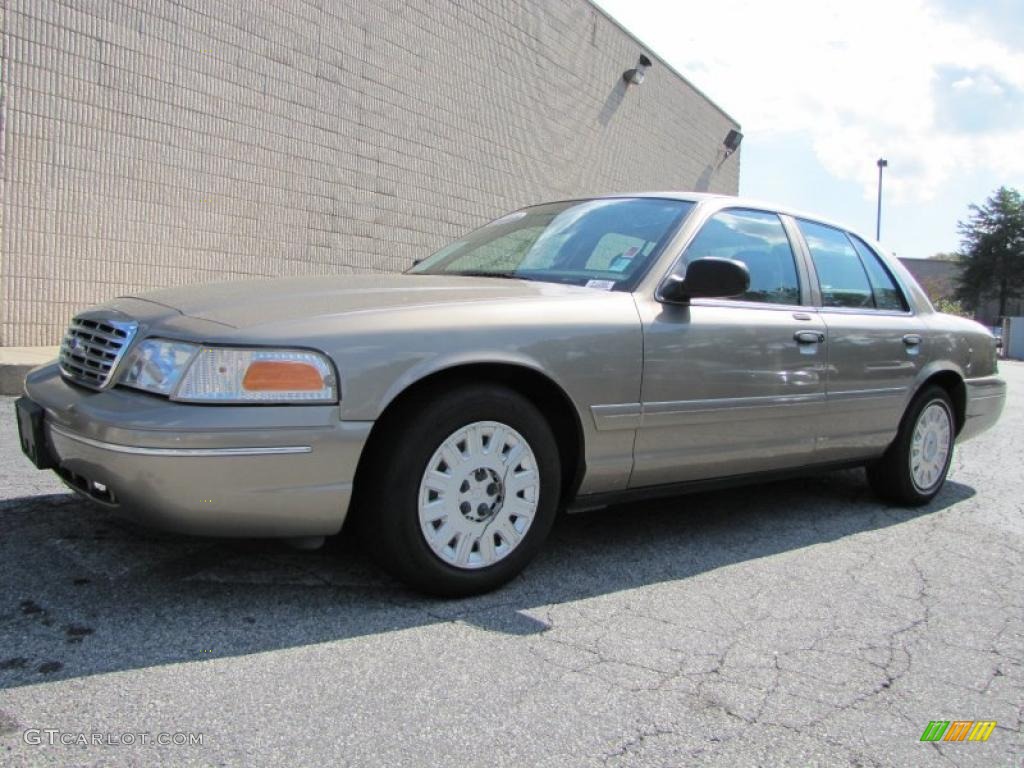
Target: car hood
[248, 303]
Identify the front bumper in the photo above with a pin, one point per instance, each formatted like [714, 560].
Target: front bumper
[218, 470]
[986, 397]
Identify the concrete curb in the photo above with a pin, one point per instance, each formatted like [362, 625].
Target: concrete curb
[15, 362]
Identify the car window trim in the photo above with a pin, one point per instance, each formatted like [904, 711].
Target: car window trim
[865, 311]
[747, 304]
[810, 293]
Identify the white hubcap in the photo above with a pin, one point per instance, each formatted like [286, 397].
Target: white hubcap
[478, 495]
[930, 446]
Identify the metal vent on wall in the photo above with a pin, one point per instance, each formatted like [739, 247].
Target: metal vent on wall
[92, 348]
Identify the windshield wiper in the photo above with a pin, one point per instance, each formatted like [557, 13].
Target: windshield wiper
[485, 273]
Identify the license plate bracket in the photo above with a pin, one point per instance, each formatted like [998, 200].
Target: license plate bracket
[31, 434]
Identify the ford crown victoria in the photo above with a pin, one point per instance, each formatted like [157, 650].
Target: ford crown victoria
[569, 354]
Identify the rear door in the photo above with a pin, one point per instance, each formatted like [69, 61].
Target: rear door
[874, 343]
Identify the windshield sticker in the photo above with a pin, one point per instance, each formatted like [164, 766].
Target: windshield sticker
[601, 285]
[621, 262]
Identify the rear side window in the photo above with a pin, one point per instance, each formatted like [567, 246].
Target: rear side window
[887, 293]
[758, 240]
[842, 278]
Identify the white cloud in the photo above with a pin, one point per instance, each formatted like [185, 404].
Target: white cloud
[984, 84]
[861, 80]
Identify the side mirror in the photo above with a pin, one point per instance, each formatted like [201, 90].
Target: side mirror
[708, 278]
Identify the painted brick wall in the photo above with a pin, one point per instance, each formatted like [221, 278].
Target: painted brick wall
[155, 142]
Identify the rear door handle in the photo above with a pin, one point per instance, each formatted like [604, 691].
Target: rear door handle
[912, 339]
[809, 337]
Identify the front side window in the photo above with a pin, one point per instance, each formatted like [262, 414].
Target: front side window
[758, 239]
[608, 243]
[886, 292]
[842, 278]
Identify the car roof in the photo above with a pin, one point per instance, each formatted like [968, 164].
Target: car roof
[719, 201]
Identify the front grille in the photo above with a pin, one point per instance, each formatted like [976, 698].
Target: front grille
[92, 348]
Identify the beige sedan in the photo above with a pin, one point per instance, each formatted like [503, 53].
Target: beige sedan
[567, 355]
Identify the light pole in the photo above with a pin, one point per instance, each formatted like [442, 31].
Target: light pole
[882, 163]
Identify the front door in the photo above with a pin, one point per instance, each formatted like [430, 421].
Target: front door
[732, 387]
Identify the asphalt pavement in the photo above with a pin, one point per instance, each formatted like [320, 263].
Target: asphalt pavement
[800, 623]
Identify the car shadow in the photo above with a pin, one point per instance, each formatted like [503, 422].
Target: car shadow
[84, 593]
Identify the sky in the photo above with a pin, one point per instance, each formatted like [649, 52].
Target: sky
[823, 89]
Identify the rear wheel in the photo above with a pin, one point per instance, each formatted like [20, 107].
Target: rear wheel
[914, 467]
[463, 492]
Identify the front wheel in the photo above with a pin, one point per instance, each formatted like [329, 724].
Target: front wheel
[914, 467]
[464, 492]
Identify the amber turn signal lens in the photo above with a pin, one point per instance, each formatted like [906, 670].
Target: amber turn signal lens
[282, 376]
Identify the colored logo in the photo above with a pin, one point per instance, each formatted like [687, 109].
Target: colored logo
[958, 730]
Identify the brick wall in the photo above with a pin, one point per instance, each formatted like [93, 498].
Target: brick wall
[155, 142]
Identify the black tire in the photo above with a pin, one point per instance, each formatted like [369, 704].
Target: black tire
[892, 476]
[389, 524]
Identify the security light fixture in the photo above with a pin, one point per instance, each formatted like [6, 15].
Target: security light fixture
[732, 141]
[636, 75]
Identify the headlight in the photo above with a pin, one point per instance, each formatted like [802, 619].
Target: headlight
[191, 373]
[156, 365]
[223, 374]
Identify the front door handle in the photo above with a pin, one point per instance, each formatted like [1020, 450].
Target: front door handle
[912, 339]
[809, 337]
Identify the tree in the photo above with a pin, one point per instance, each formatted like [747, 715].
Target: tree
[992, 250]
[939, 294]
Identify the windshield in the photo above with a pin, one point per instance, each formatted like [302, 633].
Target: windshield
[606, 243]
